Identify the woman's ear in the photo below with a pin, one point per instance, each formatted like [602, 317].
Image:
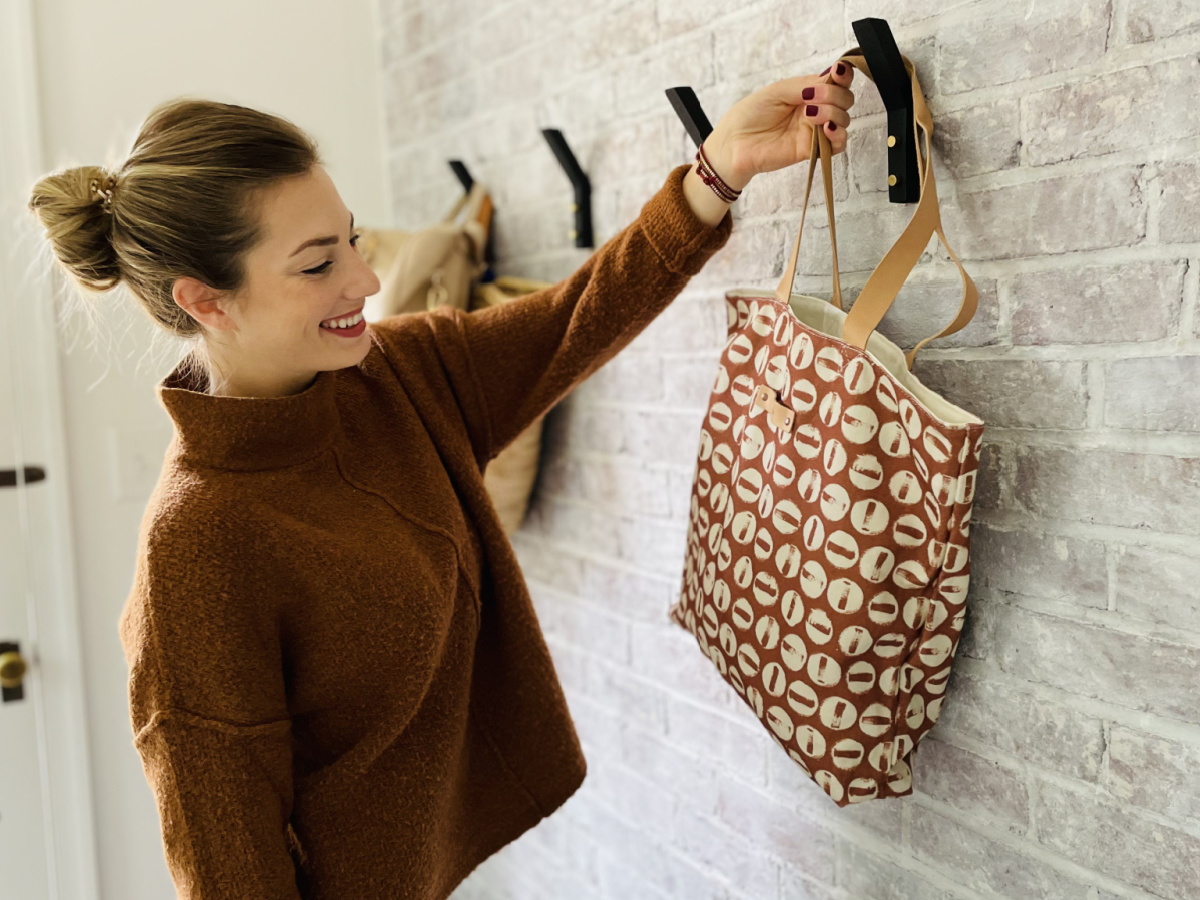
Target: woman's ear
[202, 303]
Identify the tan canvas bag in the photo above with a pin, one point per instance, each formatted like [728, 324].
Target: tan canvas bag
[434, 266]
[510, 476]
[826, 569]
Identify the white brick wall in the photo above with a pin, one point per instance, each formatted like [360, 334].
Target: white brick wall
[1066, 764]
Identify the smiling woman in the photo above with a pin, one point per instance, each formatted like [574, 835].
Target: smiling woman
[228, 230]
[323, 499]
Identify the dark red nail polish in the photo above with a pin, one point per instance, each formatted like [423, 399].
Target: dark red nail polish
[827, 68]
[832, 126]
[810, 111]
[808, 93]
[841, 69]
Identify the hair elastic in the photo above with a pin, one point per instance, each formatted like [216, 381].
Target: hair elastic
[106, 192]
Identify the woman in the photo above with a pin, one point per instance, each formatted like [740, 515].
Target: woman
[338, 687]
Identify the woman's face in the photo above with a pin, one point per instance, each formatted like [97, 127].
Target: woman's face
[269, 340]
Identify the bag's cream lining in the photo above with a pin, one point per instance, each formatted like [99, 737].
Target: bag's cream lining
[823, 316]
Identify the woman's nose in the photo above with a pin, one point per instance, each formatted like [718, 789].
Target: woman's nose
[368, 282]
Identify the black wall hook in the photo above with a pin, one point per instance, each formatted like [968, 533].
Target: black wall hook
[687, 107]
[895, 88]
[583, 187]
[463, 175]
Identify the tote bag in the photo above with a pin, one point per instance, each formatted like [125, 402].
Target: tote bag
[826, 566]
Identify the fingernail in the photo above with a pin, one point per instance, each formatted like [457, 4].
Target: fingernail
[827, 68]
[832, 126]
[808, 93]
[841, 69]
[810, 110]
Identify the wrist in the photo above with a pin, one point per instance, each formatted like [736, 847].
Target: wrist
[721, 156]
[704, 202]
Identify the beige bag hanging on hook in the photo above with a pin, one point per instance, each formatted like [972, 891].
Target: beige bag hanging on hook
[510, 476]
[430, 267]
[827, 564]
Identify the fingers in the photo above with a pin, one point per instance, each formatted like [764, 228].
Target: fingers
[828, 105]
[815, 111]
[843, 73]
[837, 137]
[830, 93]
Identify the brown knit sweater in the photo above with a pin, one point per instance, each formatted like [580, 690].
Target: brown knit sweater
[338, 686]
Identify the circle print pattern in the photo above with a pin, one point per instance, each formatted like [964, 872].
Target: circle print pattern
[828, 549]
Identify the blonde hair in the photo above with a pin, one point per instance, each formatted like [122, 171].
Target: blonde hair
[182, 204]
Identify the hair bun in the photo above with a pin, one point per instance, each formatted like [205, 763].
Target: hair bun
[75, 206]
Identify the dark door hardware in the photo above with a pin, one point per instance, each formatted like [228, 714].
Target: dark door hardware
[12, 672]
[30, 474]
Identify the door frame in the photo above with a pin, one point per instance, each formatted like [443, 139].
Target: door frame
[55, 652]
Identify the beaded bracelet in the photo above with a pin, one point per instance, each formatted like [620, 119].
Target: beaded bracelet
[710, 177]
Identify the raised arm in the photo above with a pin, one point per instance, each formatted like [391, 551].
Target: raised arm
[511, 363]
[507, 365]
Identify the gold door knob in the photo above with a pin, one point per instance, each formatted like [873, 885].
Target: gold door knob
[12, 669]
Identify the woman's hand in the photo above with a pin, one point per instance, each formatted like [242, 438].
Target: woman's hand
[772, 128]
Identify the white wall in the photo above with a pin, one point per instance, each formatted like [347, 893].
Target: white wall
[102, 65]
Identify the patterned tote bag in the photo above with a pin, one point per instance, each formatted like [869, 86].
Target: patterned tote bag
[826, 569]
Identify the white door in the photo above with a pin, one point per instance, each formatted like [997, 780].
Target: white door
[25, 861]
[47, 849]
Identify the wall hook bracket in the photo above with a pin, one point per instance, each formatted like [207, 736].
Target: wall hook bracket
[895, 88]
[691, 114]
[464, 177]
[583, 188]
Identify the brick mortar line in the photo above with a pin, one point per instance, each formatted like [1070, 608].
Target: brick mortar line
[1152, 724]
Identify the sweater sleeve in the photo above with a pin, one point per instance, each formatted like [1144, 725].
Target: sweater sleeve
[509, 364]
[209, 715]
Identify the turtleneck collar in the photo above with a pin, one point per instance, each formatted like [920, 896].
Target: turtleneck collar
[248, 433]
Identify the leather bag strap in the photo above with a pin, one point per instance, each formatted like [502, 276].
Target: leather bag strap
[824, 152]
[475, 208]
[889, 276]
[472, 201]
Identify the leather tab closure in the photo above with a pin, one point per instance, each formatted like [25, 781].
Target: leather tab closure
[779, 414]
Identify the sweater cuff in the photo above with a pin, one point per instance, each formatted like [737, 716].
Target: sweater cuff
[684, 242]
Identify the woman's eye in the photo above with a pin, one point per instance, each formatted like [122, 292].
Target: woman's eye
[325, 265]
